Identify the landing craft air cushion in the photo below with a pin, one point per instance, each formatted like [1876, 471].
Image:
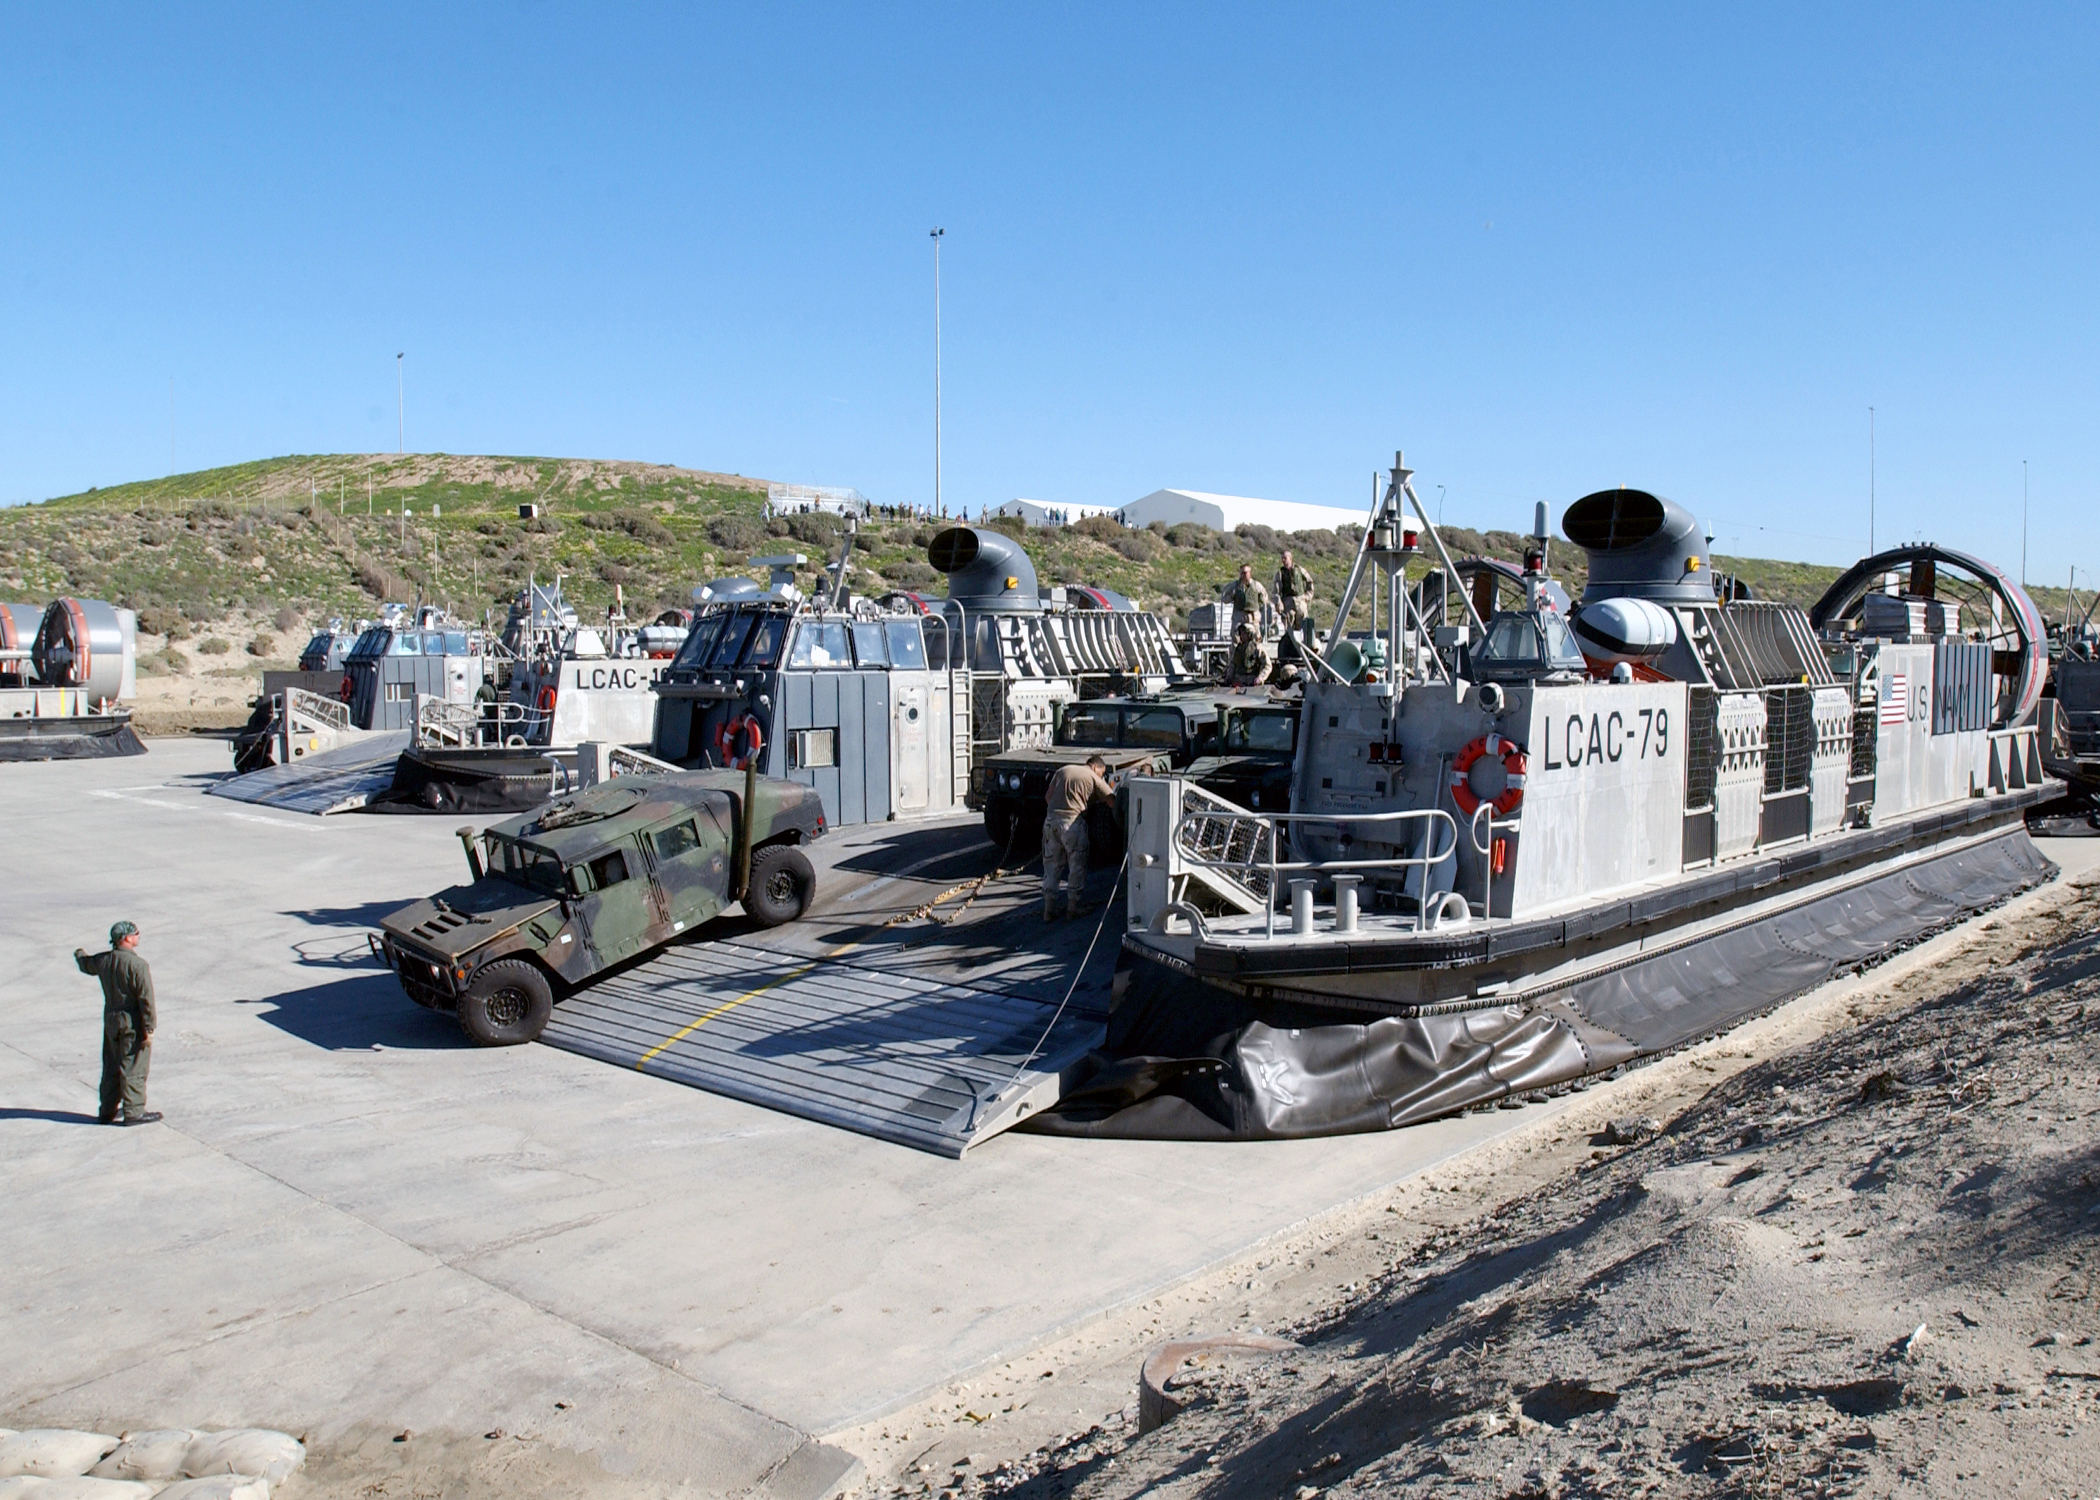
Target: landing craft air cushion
[1538, 849]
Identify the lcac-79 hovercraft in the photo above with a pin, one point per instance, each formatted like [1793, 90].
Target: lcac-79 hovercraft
[1550, 843]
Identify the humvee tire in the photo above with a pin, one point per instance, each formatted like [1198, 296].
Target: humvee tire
[998, 823]
[509, 1002]
[782, 883]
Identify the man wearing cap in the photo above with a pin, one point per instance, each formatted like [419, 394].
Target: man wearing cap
[1293, 593]
[127, 1024]
[1073, 789]
[1251, 662]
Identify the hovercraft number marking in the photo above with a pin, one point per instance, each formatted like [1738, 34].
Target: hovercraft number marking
[1584, 739]
[613, 677]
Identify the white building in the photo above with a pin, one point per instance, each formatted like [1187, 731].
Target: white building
[798, 499]
[1043, 513]
[1226, 512]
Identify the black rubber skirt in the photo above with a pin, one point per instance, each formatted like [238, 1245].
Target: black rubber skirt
[49, 744]
[1186, 1060]
[468, 781]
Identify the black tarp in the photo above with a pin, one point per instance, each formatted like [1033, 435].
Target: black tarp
[44, 744]
[1188, 1060]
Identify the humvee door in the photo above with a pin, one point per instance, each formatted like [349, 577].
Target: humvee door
[615, 900]
[691, 860]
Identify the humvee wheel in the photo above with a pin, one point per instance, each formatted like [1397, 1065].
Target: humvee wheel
[509, 1002]
[782, 883]
[998, 823]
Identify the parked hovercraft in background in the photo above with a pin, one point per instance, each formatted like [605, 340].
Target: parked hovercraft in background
[66, 672]
[1567, 842]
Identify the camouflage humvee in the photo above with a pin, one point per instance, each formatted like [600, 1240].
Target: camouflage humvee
[1140, 736]
[565, 892]
[1251, 763]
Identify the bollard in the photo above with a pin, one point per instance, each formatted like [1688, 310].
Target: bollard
[1345, 902]
[1301, 906]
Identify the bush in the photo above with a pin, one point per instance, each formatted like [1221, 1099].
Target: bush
[287, 618]
[645, 528]
[491, 527]
[263, 645]
[214, 645]
[613, 572]
[1194, 536]
[910, 573]
[736, 533]
[817, 528]
[159, 619]
[1101, 528]
[1139, 546]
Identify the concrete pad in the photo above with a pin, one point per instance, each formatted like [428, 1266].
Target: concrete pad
[352, 1222]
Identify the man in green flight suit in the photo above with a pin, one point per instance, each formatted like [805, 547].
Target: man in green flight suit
[1247, 597]
[127, 1024]
[1294, 588]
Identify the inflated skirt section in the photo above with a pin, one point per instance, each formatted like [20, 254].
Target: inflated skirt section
[1186, 1060]
[69, 743]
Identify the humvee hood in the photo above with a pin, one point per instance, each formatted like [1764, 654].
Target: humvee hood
[459, 920]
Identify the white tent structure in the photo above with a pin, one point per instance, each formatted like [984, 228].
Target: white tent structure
[1225, 512]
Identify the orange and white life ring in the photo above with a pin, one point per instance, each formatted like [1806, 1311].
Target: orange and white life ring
[1489, 747]
[726, 737]
[545, 701]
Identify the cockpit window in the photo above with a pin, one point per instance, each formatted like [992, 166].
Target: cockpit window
[706, 630]
[1153, 728]
[1511, 641]
[1562, 654]
[1275, 734]
[820, 643]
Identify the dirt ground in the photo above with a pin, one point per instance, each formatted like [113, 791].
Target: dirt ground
[193, 690]
[1857, 1258]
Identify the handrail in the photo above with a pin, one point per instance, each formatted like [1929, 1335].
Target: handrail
[1430, 815]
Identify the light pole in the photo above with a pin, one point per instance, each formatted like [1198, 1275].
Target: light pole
[1440, 505]
[936, 235]
[401, 402]
[1870, 481]
[2023, 523]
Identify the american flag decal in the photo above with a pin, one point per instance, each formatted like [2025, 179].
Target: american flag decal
[1895, 698]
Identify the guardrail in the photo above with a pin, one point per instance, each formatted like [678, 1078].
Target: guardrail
[1187, 836]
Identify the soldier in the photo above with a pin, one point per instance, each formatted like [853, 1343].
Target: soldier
[127, 1024]
[1251, 662]
[1246, 596]
[1073, 789]
[1293, 593]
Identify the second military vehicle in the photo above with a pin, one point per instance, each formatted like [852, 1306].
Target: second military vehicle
[1144, 736]
[1250, 766]
[565, 892]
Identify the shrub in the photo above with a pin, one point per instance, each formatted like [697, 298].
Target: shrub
[287, 618]
[158, 619]
[910, 573]
[1192, 535]
[1101, 528]
[817, 528]
[613, 572]
[215, 645]
[1139, 546]
[645, 528]
[263, 645]
[737, 533]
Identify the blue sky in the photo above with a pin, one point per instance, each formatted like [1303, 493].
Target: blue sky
[1544, 249]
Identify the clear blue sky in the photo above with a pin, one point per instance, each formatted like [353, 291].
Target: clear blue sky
[1543, 249]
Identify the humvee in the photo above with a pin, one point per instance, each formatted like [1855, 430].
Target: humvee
[1136, 736]
[563, 893]
[1251, 764]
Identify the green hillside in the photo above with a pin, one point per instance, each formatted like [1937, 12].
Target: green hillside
[314, 536]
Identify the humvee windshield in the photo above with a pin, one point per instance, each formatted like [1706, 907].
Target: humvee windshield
[527, 866]
[1274, 733]
[1136, 727]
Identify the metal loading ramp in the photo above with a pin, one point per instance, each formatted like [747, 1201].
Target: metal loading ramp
[327, 781]
[916, 1061]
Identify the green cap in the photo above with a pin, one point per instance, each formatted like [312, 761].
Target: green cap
[118, 931]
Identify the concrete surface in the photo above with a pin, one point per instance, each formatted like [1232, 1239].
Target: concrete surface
[351, 1222]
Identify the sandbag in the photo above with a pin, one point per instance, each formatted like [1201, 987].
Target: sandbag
[76, 1487]
[52, 1451]
[244, 1450]
[219, 1487]
[153, 1456]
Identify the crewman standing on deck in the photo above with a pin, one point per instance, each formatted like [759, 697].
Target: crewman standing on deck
[1248, 598]
[1073, 789]
[1293, 591]
[128, 1019]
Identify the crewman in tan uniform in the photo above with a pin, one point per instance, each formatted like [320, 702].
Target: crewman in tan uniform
[1251, 662]
[1294, 588]
[1247, 597]
[128, 1020]
[1073, 789]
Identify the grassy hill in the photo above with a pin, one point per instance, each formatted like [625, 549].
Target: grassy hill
[302, 538]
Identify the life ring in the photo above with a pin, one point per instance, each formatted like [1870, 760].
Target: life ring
[726, 737]
[545, 701]
[1510, 754]
[348, 690]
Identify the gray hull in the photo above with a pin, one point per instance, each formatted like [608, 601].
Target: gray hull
[1187, 1059]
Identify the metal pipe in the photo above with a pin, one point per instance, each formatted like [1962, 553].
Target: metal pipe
[749, 820]
[466, 837]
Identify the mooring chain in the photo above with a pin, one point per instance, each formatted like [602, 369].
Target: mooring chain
[974, 887]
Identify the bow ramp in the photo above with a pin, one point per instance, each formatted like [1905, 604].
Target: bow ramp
[920, 1062]
[327, 781]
